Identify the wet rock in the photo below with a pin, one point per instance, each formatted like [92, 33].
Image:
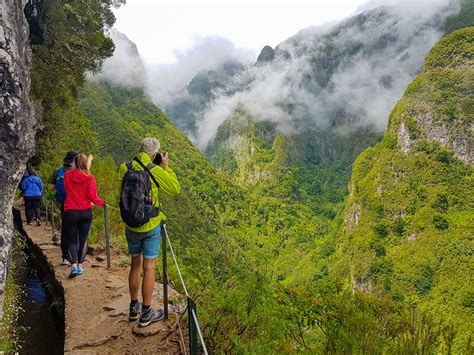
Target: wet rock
[17, 122]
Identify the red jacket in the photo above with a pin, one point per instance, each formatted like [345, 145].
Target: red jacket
[81, 191]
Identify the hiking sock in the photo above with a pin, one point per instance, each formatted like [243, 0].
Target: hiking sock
[146, 308]
[133, 303]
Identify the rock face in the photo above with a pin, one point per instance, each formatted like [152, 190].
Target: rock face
[266, 55]
[17, 123]
[447, 121]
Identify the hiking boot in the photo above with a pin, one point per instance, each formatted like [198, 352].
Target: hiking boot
[135, 311]
[38, 222]
[28, 223]
[149, 316]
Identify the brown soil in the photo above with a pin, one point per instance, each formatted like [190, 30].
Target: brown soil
[96, 306]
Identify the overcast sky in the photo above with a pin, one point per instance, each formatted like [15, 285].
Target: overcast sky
[163, 28]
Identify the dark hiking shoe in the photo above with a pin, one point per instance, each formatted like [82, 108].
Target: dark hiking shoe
[38, 223]
[149, 316]
[135, 311]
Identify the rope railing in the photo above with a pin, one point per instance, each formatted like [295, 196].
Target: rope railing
[193, 325]
[175, 261]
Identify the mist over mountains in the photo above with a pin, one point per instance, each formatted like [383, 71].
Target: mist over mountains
[125, 67]
[339, 77]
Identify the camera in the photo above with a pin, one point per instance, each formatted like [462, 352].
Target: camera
[158, 158]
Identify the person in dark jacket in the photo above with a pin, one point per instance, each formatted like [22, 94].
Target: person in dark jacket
[56, 183]
[81, 195]
[32, 187]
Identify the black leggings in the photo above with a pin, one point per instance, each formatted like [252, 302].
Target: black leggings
[76, 226]
[32, 208]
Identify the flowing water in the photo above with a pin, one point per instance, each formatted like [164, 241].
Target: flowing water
[41, 323]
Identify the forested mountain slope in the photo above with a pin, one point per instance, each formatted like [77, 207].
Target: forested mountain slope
[410, 215]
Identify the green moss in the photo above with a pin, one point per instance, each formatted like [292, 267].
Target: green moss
[10, 332]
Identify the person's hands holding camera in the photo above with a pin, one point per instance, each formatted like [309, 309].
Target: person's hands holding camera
[164, 160]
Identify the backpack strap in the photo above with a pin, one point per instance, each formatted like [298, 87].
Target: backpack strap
[129, 165]
[147, 169]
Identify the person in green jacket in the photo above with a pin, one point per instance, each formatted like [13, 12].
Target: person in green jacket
[144, 241]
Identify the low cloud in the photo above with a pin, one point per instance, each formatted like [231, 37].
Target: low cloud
[125, 67]
[207, 53]
[347, 77]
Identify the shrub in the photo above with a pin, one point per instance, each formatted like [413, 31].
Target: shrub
[398, 227]
[378, 247]
[444, 155]
[441, 203]
[380, 230]
[424, 280]
[440, 222]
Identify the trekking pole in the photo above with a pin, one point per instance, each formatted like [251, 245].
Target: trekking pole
[107, 236]
[165, 271]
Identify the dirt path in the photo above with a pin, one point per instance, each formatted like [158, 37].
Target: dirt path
[96, 306]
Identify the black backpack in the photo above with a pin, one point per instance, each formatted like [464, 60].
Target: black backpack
[136, 207]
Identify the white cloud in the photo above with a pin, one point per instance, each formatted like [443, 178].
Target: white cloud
[362, 90]
[207, 53]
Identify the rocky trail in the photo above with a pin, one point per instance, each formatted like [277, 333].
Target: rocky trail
[96, 305]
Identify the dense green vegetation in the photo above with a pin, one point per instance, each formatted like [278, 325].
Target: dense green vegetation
[260, 235]
[410, 216]
[74, 41]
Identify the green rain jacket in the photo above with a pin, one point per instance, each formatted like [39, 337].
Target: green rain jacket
[167, 180]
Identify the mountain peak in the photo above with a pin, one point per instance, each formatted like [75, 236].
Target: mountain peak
[266, 55]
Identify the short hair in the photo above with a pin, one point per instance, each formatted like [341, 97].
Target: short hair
[150, 145]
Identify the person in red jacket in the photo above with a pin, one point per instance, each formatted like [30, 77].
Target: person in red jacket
[81, 196]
